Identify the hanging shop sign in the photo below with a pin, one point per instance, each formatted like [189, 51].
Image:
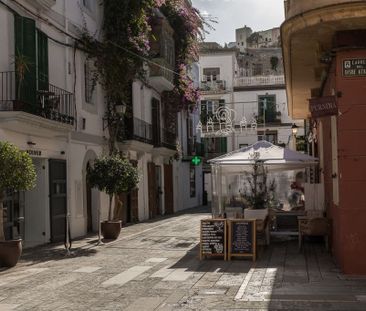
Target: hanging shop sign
[323, 106]
[242, 238]
[355, 67]
[213, 238]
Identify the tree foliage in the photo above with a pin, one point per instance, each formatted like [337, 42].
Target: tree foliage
[120, 54]
[112, 175]
[17, 170]
[259, 192]
[16, 173]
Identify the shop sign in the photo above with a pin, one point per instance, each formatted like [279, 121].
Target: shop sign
[323, 106]
[34, 152]
[355, 67]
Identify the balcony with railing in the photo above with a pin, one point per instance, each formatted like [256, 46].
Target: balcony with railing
[161, 74]
[168, 139]
[260, 81]
[137, 129]
[41, 99]
[163, 54]
[215, 86]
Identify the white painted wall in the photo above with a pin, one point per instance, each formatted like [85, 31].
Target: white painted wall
[226, 61]
[64, 73]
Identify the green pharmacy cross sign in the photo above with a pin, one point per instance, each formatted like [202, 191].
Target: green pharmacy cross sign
[196, 160]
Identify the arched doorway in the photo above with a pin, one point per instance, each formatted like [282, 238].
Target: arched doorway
[91, 196]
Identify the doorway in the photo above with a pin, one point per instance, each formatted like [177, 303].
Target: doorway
[168, 189]
[36, 219]
[58, 199]
[159, 190]
[89, 214]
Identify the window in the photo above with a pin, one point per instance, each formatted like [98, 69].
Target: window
[269, 136]
[267, 108]
[257, 69]
[215, 145]
[208, 109]
[192, 181]
[211, 74]
[90, 5]
[243, 146]
[89, 83]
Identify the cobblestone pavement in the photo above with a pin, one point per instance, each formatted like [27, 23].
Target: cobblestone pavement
[155, 266]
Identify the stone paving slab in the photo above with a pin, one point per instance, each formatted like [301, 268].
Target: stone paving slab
[155, 266]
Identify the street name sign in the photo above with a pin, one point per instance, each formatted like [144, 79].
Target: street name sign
[354, 67]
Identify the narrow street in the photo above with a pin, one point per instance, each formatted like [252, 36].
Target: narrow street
[156, 266]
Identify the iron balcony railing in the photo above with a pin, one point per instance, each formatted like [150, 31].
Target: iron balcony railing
[168, 139]
[213, 86]
[259, 81]
[42, 99]
[162, 69]
[139, 130]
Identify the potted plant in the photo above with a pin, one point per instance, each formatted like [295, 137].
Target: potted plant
[259, 193]
[17, 173]
[22, 67]
[113, 175]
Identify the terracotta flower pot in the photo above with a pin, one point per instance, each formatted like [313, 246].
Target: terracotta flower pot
[10, 252]
[111, 229]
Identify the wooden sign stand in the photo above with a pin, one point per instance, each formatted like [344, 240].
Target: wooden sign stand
[253, 253]
[224, 253]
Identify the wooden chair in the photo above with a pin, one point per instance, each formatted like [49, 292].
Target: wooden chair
[319, 226]
[263, 229]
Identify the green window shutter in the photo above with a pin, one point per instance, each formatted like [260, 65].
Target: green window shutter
[223, 144]
[25, 54]
[42, 46]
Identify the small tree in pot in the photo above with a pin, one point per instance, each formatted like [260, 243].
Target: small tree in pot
[259, 194]
[113, 175]
[16, 173]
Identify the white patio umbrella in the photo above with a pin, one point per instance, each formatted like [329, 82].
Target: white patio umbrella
[274, 158]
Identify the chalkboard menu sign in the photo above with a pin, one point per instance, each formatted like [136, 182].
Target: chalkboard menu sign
[213, 237]
[242, 238]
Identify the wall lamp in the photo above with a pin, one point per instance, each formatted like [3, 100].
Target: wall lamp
[30, 143]
[294, 129]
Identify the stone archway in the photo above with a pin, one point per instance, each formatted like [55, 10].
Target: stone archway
[91, 197]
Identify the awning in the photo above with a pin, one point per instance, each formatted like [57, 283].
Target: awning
[274, 158]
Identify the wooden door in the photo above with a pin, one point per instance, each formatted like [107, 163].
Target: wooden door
[168, 189]
[58, 199]
[152, 189]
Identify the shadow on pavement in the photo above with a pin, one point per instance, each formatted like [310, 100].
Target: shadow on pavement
[42, 254]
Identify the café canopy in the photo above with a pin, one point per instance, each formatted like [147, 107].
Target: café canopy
[274, 158]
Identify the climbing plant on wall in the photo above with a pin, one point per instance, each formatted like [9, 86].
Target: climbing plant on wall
[123, 49]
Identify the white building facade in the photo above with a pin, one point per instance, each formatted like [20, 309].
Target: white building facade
[239, 109]
[53, 115]
[56, 114]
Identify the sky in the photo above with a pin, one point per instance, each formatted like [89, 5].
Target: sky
[232, 14]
